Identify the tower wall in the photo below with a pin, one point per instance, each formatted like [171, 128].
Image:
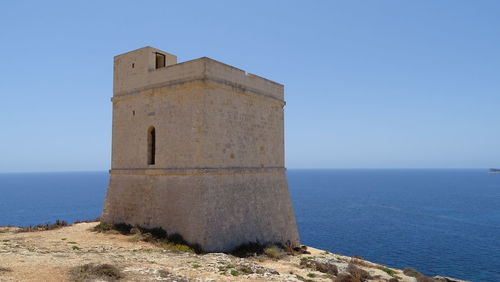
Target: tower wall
[218, 177]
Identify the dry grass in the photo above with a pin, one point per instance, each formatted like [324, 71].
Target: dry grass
[319, 265]
[91, 272]
[5, 269]
[359, 261]
[44, 227]
[88, 220]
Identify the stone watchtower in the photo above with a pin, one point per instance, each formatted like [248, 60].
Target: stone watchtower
[198, 150]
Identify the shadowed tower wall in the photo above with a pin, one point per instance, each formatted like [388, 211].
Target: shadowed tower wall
[198, 149]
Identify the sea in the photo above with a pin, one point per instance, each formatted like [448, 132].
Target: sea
[438, 221]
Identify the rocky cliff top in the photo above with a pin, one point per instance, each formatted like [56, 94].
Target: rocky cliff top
[79, 253]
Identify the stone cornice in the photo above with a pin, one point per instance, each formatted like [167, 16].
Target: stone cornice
[196, 171]
[204, 79]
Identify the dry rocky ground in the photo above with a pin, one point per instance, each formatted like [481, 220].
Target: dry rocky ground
[76, 253]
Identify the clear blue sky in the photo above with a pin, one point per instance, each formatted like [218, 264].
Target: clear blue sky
[369, 84]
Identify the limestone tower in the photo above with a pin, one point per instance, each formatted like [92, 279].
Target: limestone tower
[198, 150]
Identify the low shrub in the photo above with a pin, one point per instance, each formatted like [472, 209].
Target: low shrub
[408, 271]
[235, 272]
[225, 267]
[359, 261]
[318, 265]
[180, 244]
[103, 227]
[248, 249]
[122, 228]
[291, 250]
[273, 252]
[311, 275]
[159, 233]
[89, 272]
[178, 248]
[245, 269]
[44, 227]
[345, 277]
[164, 273]
[302, 250]
[357, 272]
[5, 269]
[158, 236]
[305, 260]
[87, 220]
[423, 278]
[256, 248]
[388, 271]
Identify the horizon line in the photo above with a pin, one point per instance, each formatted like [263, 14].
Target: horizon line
[292, 168]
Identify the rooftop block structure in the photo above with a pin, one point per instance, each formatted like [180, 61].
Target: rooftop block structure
[198, 149]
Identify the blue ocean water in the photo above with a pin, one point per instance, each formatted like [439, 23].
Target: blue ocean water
[36, 198]
[443, 222]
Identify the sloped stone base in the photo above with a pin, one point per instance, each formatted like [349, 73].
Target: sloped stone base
[219, 209]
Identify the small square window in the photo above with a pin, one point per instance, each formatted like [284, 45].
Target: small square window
[160, 60]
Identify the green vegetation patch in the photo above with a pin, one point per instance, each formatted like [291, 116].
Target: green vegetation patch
[273, 252]
[178, 248]
[237, 270]
[223, 268]
[388, 271]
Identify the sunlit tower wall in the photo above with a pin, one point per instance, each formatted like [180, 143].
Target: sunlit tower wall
[198, 149]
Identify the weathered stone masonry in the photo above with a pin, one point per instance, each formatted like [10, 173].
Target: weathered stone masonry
[198, 149]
